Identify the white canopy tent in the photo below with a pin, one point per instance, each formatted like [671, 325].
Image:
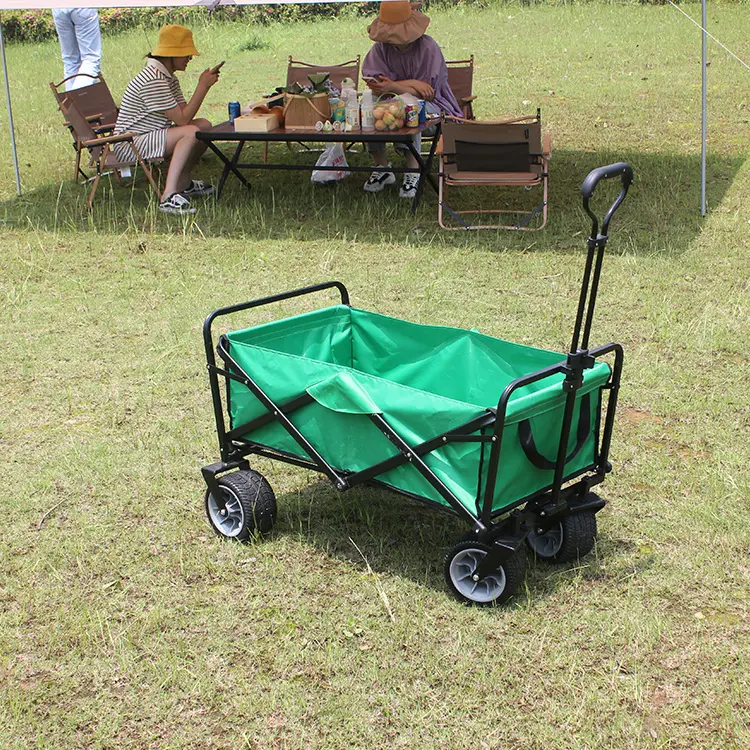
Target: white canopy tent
[46, 4]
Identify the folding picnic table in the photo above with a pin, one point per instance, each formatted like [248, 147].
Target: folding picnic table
[225, 133]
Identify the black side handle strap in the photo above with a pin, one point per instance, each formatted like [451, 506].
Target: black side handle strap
[530, 449]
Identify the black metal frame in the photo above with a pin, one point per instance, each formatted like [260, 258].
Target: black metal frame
[225, 134]
[540, 511]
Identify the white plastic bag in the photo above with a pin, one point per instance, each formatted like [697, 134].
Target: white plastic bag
[333, 156]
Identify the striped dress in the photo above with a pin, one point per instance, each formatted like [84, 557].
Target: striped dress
[153, 91]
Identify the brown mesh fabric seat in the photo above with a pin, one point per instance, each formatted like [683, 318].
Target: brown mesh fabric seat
[461, 81]
[511, 153]
[99, 147]
[94, 102]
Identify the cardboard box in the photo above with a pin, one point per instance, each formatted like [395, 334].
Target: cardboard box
[256, 123]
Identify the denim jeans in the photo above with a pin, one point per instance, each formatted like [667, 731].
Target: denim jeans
[80, 43]
[430, 108]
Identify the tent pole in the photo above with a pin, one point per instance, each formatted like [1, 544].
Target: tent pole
[10, 112]
[703, 109]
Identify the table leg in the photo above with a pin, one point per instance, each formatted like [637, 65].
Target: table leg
[425, 168]
[229, 166]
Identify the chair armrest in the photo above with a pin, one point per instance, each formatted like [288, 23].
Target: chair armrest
[547, 146]
[468, 98]
[109, 139]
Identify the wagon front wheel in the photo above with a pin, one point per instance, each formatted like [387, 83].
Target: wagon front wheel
[461, 563]
[247, 505]
[568, 540]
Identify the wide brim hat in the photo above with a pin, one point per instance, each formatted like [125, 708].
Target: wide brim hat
[175, 41]
[398, 23]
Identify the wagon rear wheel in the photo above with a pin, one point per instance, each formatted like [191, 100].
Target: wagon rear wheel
[496, 588]
[248, 505]
[570, 539]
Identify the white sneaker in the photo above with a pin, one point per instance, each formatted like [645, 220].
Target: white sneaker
[409, 186]
[378, 180]
[176, 204]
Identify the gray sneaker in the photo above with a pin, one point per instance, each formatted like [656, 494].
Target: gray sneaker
[198, 188]
[176, 204]
[378, 180]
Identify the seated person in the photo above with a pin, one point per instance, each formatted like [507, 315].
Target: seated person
[405, 60]
[154, 107]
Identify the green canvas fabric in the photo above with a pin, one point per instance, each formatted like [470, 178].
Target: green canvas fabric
[424, 380]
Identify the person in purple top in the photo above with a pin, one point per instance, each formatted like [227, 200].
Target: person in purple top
[404, 60]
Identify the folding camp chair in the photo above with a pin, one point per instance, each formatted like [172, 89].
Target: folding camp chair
[461, 81]
[102, 157]
[95, 103]
[507, 153]
[298, 71]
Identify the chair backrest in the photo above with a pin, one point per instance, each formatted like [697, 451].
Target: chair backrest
[94, 102]
[461, 77]
[81, 127]
[492, 146]
[298, 71]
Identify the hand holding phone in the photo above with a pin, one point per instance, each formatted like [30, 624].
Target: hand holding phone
[217, 68]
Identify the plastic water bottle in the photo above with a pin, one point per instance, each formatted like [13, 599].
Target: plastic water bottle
[349, 95]
[368, 107]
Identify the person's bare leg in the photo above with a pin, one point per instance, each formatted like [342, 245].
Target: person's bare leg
[184, 150]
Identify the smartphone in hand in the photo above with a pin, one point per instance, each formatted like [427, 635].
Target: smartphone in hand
[217, 68]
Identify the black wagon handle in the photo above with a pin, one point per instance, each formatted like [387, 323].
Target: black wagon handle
[592, 180]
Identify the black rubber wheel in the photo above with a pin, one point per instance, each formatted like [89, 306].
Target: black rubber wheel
[571, 539]
[249, 505]
[460, 564]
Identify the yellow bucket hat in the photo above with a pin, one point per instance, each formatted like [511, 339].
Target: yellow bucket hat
[175, 41]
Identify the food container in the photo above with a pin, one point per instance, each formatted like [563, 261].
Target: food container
[256, 122]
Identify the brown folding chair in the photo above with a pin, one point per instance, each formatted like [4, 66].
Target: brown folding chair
[95, 103]
[297, 71]
[461, 81]
[102, 157]
[508, 153]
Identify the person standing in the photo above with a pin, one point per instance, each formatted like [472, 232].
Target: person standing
[80, 44]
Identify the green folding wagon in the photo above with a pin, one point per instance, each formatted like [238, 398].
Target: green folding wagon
[509, 437]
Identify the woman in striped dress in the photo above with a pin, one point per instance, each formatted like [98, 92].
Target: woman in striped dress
[153, 106]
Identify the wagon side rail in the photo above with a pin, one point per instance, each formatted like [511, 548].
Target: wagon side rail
[602, 449]
[214, 371]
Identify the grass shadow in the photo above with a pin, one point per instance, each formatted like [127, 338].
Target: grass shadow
[660, 216]
[398, 536]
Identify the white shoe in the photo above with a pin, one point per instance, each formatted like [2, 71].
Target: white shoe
[378, 180]
[176, 204]
[409, 186]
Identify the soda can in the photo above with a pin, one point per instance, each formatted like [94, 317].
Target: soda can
[234, 110]
[422, 111]
[412, 116]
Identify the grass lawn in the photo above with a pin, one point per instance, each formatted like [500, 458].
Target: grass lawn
[125, 623]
